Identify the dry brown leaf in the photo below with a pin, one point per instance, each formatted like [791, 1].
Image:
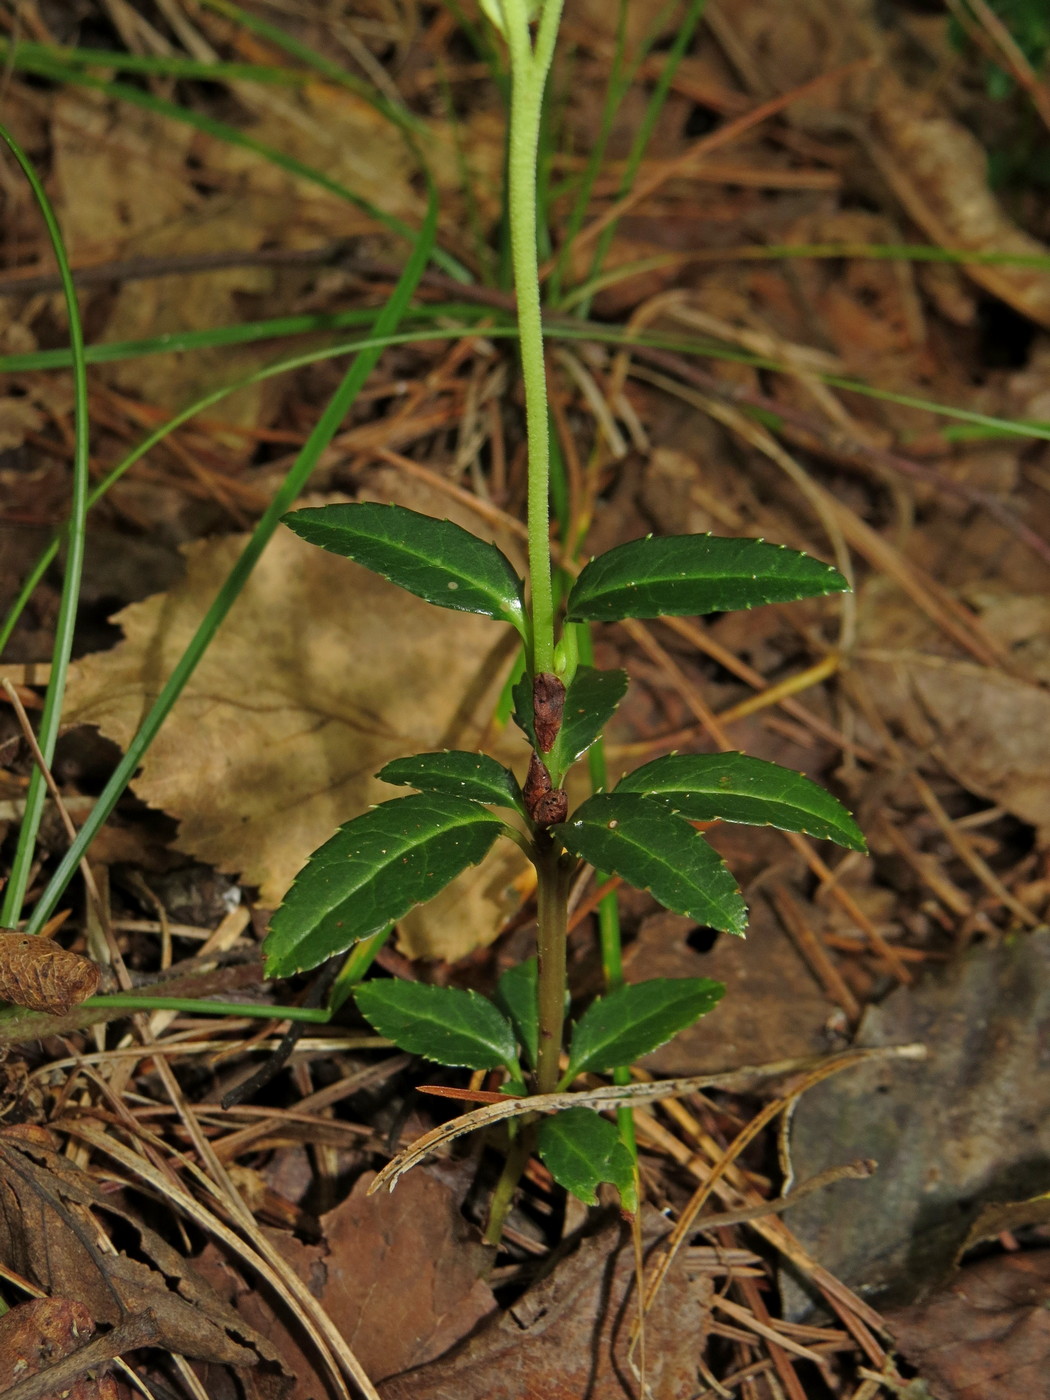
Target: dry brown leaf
[334, 132]
[966, 1126]
[321, 674]
[196, 301]
[936, 168]
[111, 183]
[989, 730]
[51, 1232]
[37, 974]
[567, 1337]
[404, 1276]
[774, 1009]
[939, 172]
[987, 1335]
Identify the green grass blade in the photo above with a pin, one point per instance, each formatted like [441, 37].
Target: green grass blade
[325, 429]
[198, 406]
[394, 112]
[554, 329]
[199, 1006]
[14, 894]
[683, 38]
[33, 57]
[245, 333]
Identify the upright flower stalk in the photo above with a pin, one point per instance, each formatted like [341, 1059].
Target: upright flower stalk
[530, 66]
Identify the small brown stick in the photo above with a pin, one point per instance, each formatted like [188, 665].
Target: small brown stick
[813, 951]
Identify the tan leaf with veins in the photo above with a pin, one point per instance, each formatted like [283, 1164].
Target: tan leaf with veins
[320, 675]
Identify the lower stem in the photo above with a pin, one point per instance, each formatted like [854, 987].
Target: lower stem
[552, 903]
[503, 1196]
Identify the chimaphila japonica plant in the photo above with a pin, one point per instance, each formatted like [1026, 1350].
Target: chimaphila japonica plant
[404, 851]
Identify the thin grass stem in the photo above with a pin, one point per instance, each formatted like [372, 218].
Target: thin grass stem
[50, 719]
[326, 427]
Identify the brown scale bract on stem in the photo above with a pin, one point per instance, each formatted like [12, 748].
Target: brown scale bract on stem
[545, 804]
[548, 704]
[36, 974]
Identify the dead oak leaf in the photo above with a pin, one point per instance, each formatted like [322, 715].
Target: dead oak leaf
[320, 675]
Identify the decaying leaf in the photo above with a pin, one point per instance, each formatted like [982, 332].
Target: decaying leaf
[43, 1330]
[52, 1232]
[40, 976]
[321, 674]
[988, 729]
[405, 1281]
[987, 1335]
[568, 1335]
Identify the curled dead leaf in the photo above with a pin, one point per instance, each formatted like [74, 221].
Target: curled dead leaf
[36, 974]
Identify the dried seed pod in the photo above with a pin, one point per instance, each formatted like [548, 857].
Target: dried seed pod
[40, 976]
[548, 703]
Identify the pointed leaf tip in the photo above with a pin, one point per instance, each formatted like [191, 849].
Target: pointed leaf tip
[636, 837]
[446, 1024]
[619, 1028]
[436, 560]
[371, 872]
[733, 787]
[683, 575]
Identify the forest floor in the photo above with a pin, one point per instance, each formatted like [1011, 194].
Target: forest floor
[832, 253]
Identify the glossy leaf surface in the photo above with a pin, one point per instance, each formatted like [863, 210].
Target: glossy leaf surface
[733, 787]
[434, 559]
[581, 1150]
[445, 1024]
[371, 872]
[617, 1029]
[516, 996]
[458, 773]
[682, 575]
[638, 839]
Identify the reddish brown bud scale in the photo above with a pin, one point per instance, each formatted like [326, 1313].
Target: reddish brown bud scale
[548, 703]
[552, 809]
[545, 804]
[36, 974]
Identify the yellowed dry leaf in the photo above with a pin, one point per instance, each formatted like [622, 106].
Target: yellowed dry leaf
[118, 172]
[197, 301]
[332, 131]
[321, 674]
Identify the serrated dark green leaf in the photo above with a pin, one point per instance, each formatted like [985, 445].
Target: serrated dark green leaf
[371, 872]
[619, 1028]
[521, 695]
[461, 774]
[581, 1150]
[683, 575]
[733, 787]
[434, 559]
[638, 839]
[516, 996]
[445, 1024]
[590, 700]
